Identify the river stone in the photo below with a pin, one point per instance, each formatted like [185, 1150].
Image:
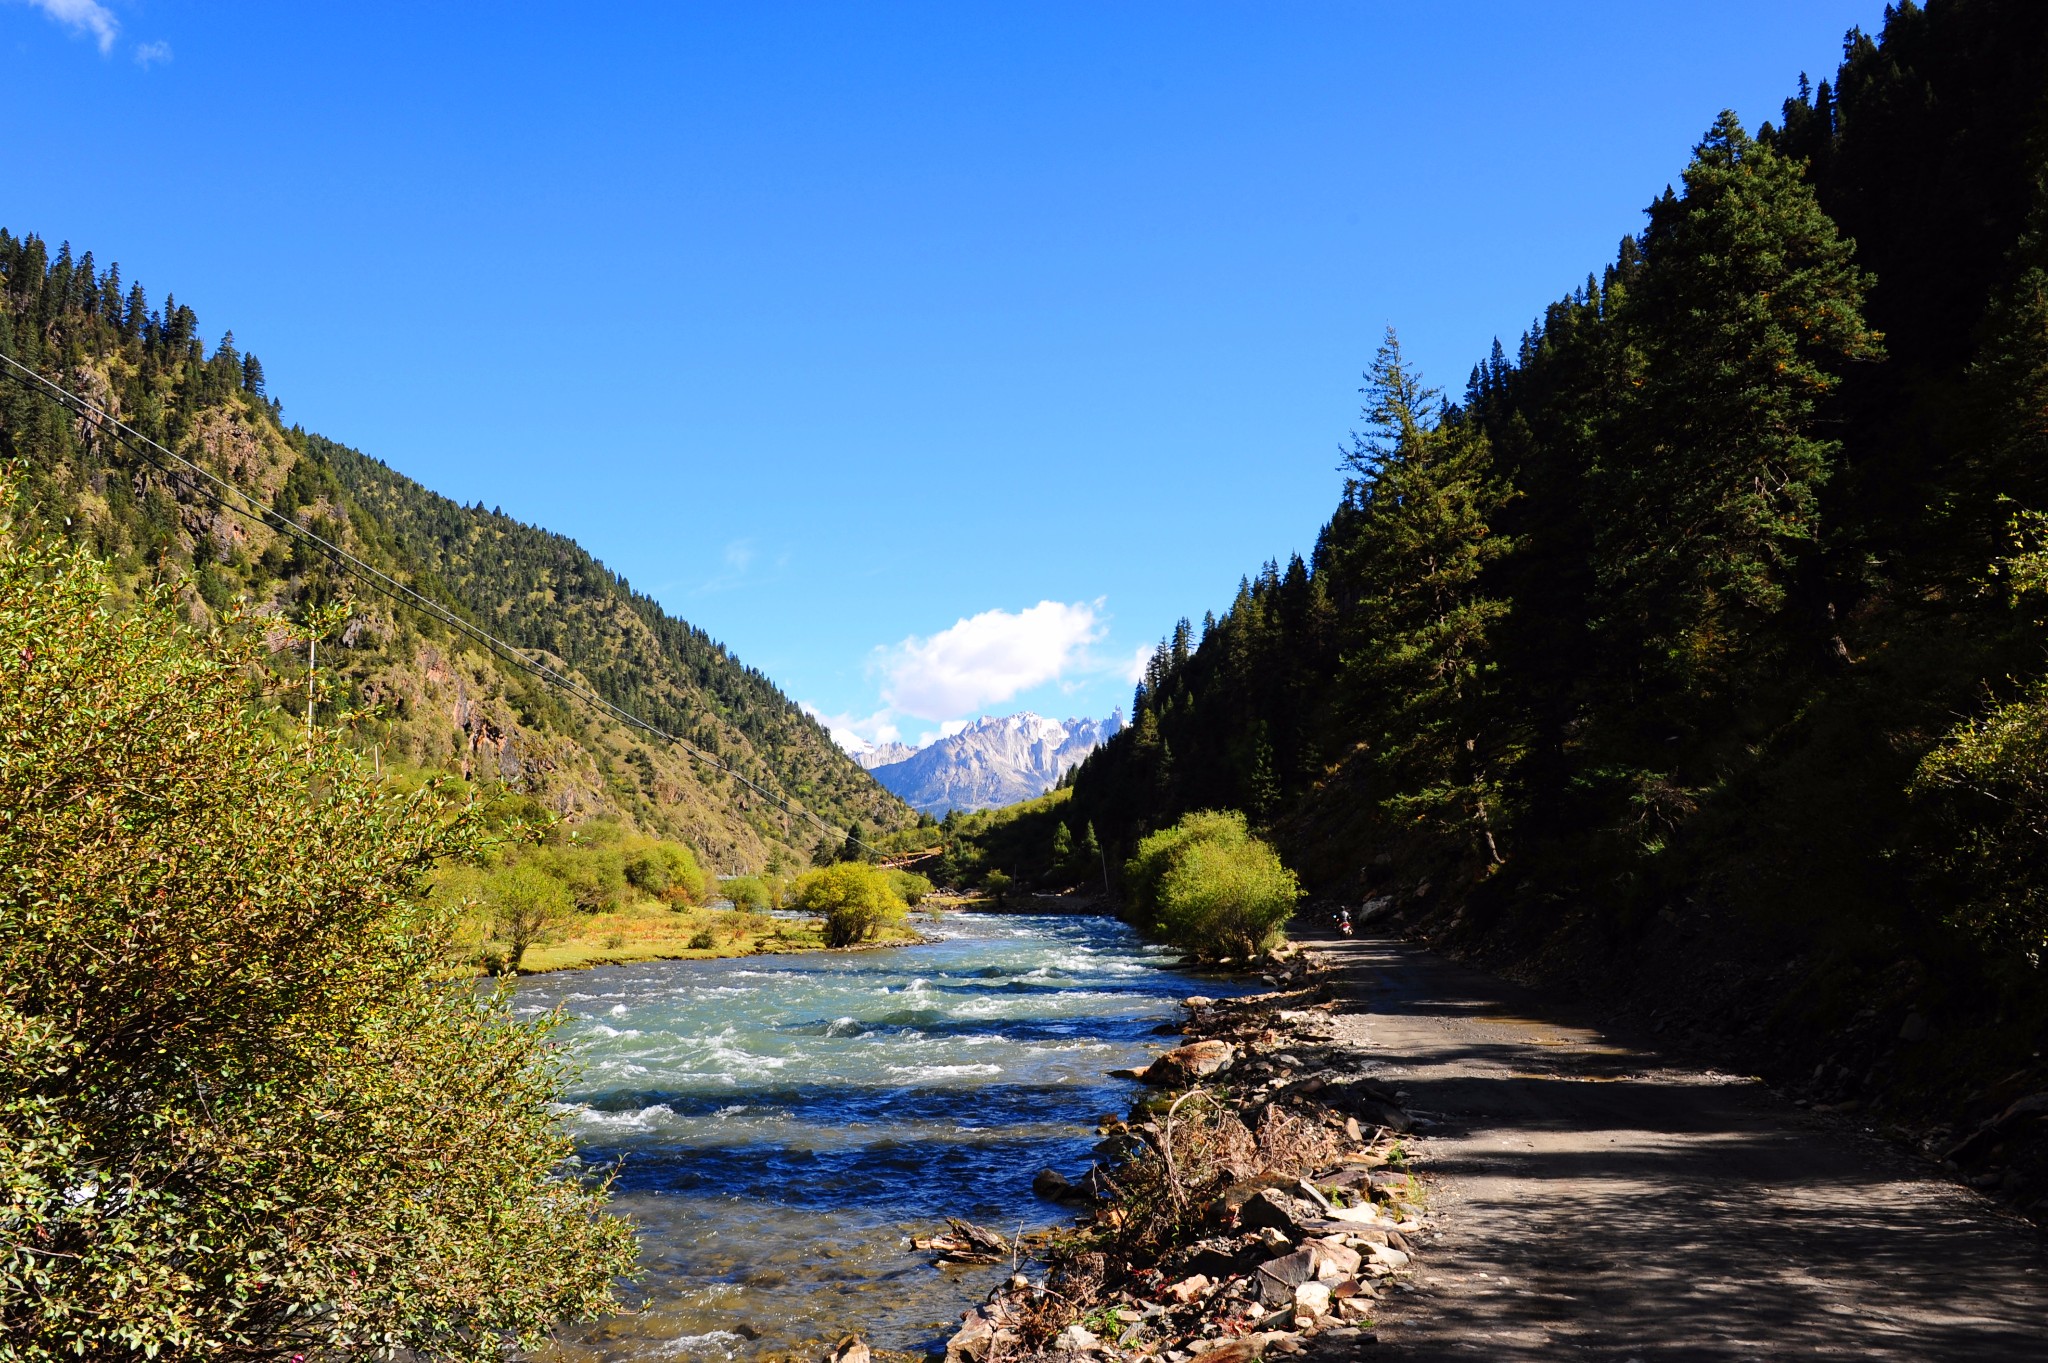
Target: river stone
[852, 1349]
[973, 1341]
[1076, 1339]
[1185, 1064]
[1312, 1300]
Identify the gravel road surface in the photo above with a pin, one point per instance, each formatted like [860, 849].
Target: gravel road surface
[1596, 1200]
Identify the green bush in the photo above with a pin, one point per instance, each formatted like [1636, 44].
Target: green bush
[526, 906]
[242, 1112]
[852, 897]
[1210, 888]
[666, 870]
[998, 884]
[749, 894]
[910, 887]
[595, 876]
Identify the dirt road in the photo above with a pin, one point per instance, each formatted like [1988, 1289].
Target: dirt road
[1598, 1201]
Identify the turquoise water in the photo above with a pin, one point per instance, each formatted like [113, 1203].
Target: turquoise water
[782, 1124]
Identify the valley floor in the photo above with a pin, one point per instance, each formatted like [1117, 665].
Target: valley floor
[654, 934]
[1594, 1199]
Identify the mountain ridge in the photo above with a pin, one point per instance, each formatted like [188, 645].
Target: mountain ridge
[423, 696]
[997, 760]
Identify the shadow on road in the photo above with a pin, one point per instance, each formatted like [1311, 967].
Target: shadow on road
[1596, 1200]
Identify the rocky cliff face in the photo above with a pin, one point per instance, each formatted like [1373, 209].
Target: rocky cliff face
[872, 755]
[991, 762]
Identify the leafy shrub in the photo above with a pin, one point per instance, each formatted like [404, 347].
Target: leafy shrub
[852, 897]
[1985, 788]
[1211, 888]
[595, 876]
[749, 894]
[998, 884]
[910, 887]
[526, 905]
[666, 870]
[243, 1113]
[702, 940]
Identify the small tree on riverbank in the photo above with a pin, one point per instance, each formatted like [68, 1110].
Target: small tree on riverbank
[243, 1112]
[1210, 888]
[854, 898]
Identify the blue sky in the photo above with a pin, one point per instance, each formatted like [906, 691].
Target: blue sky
[934, 357]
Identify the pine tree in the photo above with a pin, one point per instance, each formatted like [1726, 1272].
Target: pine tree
[1746, 312]
[1421, 620]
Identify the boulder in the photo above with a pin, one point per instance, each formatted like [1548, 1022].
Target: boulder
[1277, 1278]
[1332, 1261]
[852, 1349]
[973, 1342]
[1388, 1256]
[1054, 1186]
[1183, 1065]
[1312, 1300]
[1269, 1207]
[1188, 1289]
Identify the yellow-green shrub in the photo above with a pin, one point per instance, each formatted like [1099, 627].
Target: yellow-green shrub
[1211, 888]
[853, 898]
[242, 1113]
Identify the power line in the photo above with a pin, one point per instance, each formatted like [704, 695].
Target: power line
[219, 490]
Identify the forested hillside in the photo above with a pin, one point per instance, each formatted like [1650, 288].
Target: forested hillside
[1696, 648]
[418, 694]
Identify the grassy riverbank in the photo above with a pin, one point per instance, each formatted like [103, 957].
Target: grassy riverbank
[650, 933]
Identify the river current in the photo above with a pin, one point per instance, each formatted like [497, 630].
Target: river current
[783, 1124]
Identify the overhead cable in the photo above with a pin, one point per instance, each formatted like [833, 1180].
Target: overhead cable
[220, 491]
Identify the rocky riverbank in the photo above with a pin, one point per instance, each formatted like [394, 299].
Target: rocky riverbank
[1262, 1200]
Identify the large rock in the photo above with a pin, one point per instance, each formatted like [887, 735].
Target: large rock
[973, 1342]
[1185, 1064]
[1277, 1278]
[1291, 1216]
[1333, 1260]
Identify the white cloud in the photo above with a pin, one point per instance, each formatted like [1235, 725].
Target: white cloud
[945, 730]
[987, 658]
[152, 54]
[855, 734]
[85, 16]
[1135, 672]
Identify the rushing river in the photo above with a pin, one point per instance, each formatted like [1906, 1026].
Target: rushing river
[783, 1123]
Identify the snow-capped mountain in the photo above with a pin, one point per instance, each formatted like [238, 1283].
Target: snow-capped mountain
[872, 755]
[990, 762]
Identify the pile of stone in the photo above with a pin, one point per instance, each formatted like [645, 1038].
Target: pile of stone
[1318, 1213]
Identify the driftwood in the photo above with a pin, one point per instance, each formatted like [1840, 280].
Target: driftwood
[965, 1243]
